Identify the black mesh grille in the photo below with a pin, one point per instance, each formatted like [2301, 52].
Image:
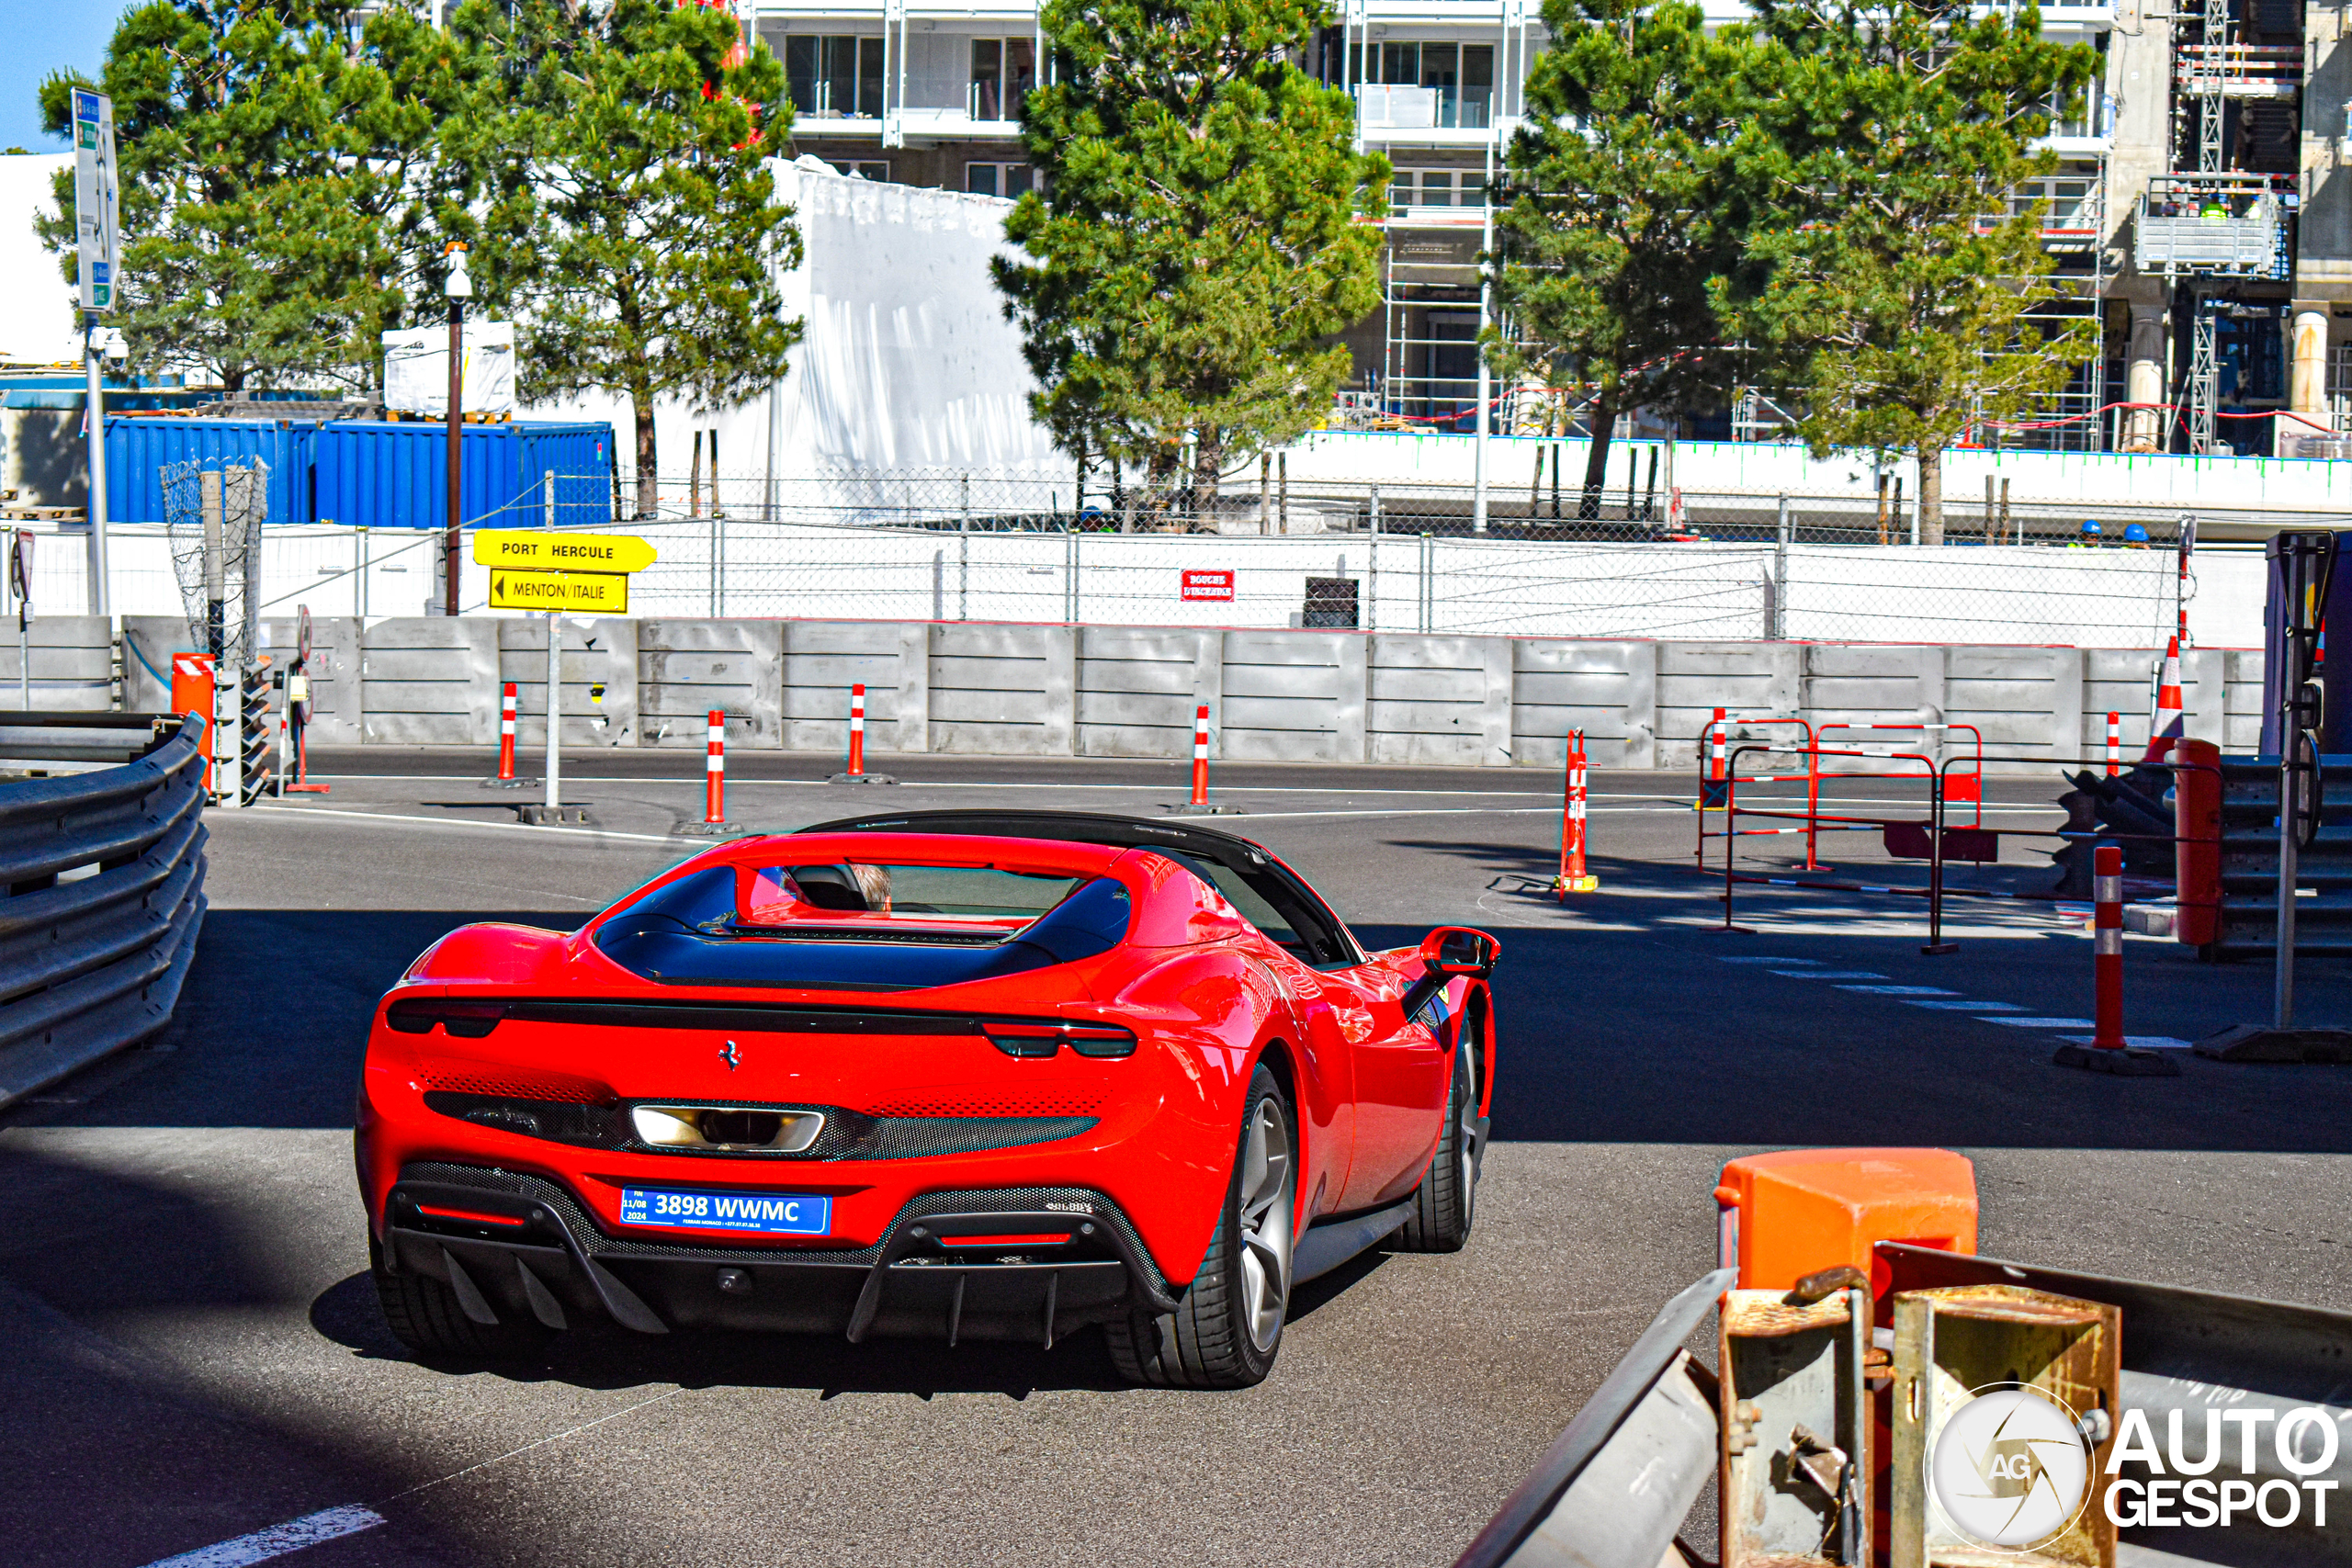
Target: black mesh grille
[987, 1201]
[847, 1134]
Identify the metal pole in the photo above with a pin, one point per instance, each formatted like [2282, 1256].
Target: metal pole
[450, 543]
[94, 364]
[1485, 297]
[1780, 575]
[775, 443]
[964, 556]
[555, 683]
[2282, 989]
[1371, 617]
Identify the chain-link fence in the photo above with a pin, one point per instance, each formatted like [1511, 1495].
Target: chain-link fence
[1734, 567]
[212, 521]
[1540, 501]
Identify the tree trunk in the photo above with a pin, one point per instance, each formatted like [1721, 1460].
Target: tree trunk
[1595, 462]
[1208, 457]
[647, 454]
[1931, 493]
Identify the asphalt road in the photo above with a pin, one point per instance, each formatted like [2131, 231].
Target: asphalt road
[193, 1353]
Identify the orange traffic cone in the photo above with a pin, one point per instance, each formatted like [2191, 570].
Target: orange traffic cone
[2167, 728]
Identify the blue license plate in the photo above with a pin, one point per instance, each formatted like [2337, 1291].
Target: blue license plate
[764, 1213]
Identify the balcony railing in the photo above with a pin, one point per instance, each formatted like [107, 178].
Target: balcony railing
[1391, 106]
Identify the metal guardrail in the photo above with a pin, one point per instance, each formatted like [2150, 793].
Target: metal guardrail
[104, 879]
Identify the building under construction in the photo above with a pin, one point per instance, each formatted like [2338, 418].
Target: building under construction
[2199, 216]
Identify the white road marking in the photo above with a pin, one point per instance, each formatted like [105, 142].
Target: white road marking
[277, 1539]
[2043, 1023]
[1967, 1006]
[1830, 974]
[2137, 1042]
[363, 816]
[1745, 959]
[1901, 990]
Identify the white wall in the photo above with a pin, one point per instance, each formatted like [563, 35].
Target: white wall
[36, 305]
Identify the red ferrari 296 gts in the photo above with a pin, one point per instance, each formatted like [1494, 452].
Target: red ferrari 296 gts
[961, 1074]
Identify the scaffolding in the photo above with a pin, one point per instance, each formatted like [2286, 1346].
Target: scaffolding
[2221, 222]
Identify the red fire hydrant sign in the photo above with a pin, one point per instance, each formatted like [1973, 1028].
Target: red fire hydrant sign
[1208, 587]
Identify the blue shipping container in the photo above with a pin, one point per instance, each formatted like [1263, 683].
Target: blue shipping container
[138, 450]
[386, 474]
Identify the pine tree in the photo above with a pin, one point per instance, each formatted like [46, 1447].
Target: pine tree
[277, 163]
[627, 211]
[1204, 226]
[1902, 273]
[1628, 192]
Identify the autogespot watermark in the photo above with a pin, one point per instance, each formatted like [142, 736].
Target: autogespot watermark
[2012, 1468]
[2302, 1441]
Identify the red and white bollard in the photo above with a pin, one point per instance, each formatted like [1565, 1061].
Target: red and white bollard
[714, 813]
[857, 730]
[1199, 805]
[1201, 756]
[2109, 1051]
[2114, 744]
[506, 735]
[2106, 947]
[1712, 791]
[1573, 877]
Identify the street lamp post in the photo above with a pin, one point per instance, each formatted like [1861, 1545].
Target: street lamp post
[459, 287]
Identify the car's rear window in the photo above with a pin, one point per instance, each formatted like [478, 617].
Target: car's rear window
[861, 927]
[782, 895]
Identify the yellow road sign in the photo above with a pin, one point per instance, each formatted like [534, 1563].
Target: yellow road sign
[600, 592]
[529, 549]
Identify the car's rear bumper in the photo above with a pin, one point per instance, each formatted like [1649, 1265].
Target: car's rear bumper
[1059, 1258]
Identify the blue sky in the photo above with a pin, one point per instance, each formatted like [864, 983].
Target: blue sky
[46, 36]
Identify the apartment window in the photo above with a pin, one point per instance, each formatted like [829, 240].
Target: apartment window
[1434, 187]
[834, 77]
[1004, 70]
[875, 169]
[1458, 79]
[997, 179]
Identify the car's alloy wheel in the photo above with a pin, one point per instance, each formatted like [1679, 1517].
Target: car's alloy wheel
[1447, 1198]
[1227, 1327]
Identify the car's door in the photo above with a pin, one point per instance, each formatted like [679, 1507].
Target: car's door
[1401, 1081]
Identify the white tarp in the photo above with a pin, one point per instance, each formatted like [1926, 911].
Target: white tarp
[416, 369]
[909, 362]
[37, 319]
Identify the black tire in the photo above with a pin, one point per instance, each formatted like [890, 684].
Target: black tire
[1446, 1202]
[423, 1314]
[1227, 1325]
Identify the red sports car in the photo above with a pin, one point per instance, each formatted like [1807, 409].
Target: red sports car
[965, 1074]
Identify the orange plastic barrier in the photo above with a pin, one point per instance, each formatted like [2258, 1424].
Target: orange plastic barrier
[1783, 1216]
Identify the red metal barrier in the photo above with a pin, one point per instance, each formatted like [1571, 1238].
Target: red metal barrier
[1968, 786]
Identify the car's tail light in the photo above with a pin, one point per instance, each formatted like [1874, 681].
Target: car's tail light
[1039, 1039]
[467, 1020]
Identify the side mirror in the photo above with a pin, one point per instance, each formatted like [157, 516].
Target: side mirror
[1458, 950]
